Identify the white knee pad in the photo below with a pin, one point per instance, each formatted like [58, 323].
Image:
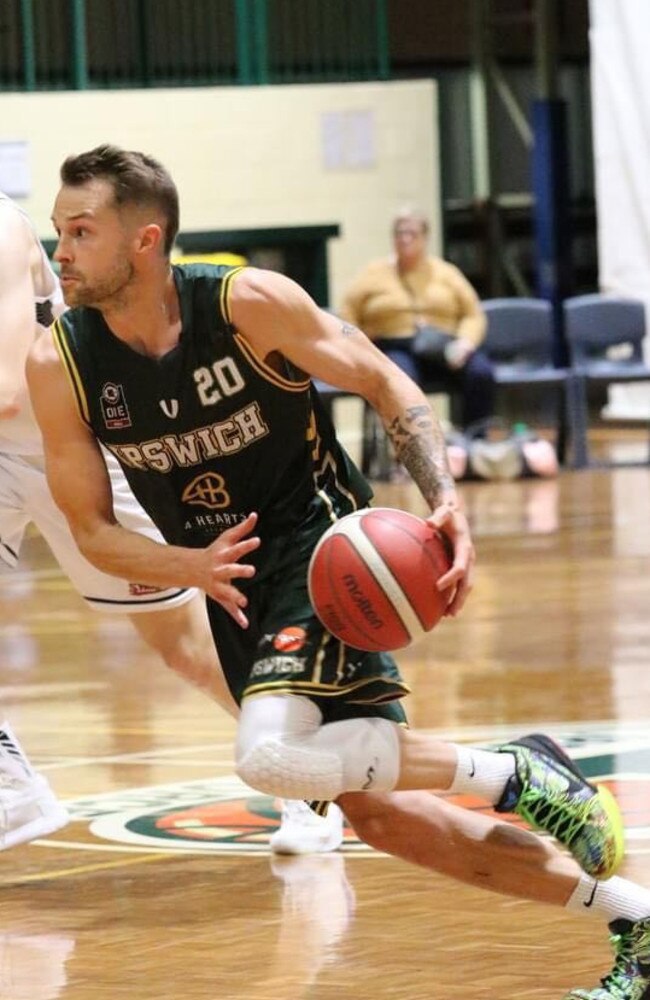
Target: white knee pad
[283, 750]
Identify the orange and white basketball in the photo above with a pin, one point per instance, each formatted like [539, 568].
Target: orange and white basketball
[372, 578]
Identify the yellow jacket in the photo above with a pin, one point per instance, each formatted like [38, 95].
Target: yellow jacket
[384, 304]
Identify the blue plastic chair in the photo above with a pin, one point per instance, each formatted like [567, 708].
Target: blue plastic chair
[519, 342]
[594, 326]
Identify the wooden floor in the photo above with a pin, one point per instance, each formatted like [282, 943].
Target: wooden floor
[163, 885]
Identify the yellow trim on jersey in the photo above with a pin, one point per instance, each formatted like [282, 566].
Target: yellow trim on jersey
[71, 370]
[319, 659]
[266, 371]
[224, 297]
[331, 513]
[399, 689]
[256, 362]
[318, 475]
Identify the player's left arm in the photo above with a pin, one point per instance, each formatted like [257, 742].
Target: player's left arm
[17, 317]
[276, 316]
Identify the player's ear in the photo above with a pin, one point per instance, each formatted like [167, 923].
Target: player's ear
[150, 238]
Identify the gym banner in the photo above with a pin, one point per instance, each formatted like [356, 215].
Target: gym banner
[620, 86]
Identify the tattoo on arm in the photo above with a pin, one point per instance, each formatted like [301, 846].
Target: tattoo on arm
[420, 445]
[348, 330]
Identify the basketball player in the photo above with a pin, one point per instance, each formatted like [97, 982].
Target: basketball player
[194, 377]
[170, 619]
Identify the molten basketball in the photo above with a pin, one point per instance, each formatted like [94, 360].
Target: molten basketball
[372, 578]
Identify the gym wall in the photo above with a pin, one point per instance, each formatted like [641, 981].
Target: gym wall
[252, 157]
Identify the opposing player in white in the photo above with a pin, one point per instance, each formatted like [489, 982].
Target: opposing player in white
[171, 621]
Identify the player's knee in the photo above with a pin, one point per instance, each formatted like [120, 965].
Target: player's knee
[290, 770]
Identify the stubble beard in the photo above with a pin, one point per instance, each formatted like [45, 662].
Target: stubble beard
[105, 294]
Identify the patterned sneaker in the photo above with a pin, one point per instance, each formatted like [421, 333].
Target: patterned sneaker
[28, 809]
[630, 977]
[550, 792]
[302, 831]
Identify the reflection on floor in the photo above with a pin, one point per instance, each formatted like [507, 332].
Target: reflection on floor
[163, 883]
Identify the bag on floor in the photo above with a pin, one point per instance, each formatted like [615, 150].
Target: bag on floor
[494, 450]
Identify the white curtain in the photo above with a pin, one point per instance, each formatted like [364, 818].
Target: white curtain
[620, 84]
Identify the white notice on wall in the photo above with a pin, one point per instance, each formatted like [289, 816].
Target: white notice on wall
[15, 173]
[348, 140]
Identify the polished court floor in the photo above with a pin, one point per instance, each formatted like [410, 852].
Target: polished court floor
[163, 886]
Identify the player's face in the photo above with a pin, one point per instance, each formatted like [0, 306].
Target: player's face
[95, 245]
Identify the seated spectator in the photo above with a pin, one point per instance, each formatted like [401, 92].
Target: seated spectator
[411, 292]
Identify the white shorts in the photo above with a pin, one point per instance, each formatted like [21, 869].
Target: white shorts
[25, 497]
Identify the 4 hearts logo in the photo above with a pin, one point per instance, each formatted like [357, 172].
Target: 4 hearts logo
[223, 815]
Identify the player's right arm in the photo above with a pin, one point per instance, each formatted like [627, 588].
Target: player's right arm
[17, 316]
[80, 485]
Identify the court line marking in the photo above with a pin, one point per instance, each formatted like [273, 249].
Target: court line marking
[32, 691]
[171, 852]
[142, 756]
[81, 869]
[111, 846]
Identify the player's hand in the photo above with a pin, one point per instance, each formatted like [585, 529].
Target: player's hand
[450, 521]
[222, 566]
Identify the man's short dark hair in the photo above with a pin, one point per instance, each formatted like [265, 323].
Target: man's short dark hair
[136, 179]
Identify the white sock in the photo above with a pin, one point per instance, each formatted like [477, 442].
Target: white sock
[12, 756]
[482, 772]
[614, 898]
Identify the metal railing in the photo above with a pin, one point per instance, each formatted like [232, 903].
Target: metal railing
[81, 44]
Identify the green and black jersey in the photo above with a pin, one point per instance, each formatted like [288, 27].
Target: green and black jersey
[208, 432]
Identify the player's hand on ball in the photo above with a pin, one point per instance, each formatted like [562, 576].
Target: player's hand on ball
[451, 521]
[222, 566]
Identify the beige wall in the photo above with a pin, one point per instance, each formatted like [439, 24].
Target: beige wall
[250, 157]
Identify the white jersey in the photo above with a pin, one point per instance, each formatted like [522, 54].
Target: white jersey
[20, 435]
[25, 496]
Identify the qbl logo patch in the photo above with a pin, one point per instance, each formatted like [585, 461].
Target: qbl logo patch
[114, 409]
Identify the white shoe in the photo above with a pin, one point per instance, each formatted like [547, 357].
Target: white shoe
[28, 809]
[302, 831]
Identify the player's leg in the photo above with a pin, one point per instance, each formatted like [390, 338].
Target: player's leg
[283, 748]
[318, 719]
[541, 784]
[466, 845]
[487, 853]
[174, 623]
[463, 844]
[181, 636]
[28, 806]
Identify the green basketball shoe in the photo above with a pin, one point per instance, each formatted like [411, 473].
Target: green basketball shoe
[630, 977]
[550, 792]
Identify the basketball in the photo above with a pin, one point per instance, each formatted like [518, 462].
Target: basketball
[372, 578]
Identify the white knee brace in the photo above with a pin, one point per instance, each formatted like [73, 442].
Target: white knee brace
[283, 750]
